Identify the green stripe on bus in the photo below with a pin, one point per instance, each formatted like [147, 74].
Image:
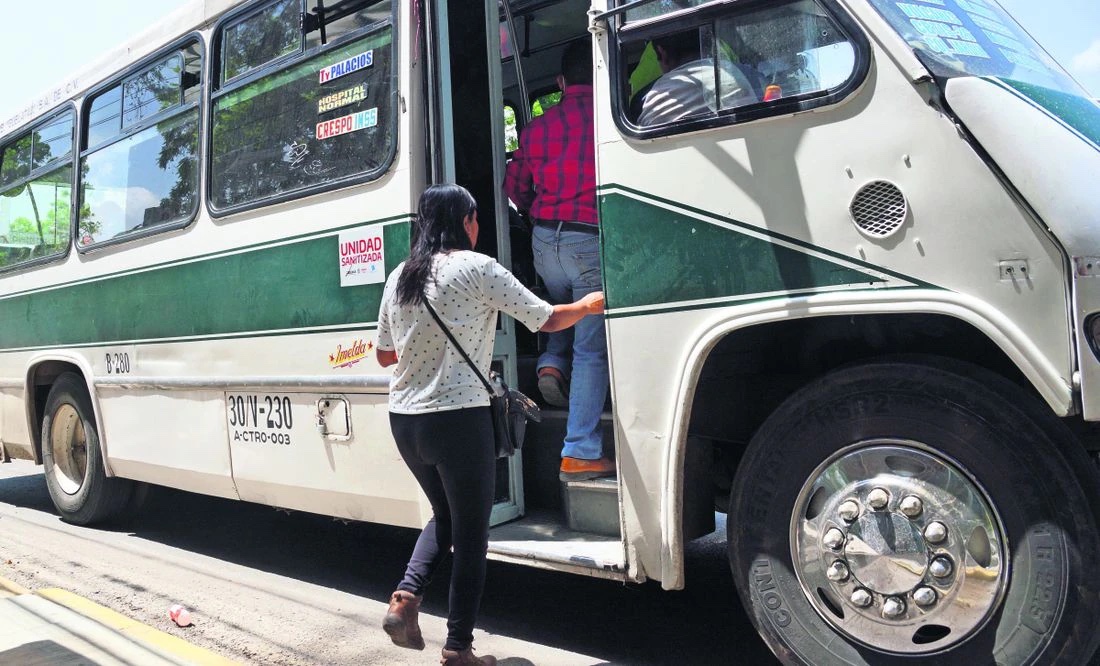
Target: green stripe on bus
[285, 287]
[654, 256]
[610, 188]
[1080, 113]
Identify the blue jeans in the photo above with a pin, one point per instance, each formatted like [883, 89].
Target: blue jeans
[569, 264]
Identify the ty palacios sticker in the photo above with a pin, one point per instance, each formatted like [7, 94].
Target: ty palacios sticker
[345, 67]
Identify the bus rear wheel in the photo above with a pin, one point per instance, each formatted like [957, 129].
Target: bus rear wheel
[923, 512]
[73, 462]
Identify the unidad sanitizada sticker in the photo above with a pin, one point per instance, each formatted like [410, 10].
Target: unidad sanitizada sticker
[362, 256]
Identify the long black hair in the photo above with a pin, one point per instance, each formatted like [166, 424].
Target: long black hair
[437, 228]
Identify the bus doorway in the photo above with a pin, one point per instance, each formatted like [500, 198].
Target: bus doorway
[496, 64]
[467, 147]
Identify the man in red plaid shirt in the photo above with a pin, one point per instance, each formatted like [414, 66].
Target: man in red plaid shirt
[552, 177]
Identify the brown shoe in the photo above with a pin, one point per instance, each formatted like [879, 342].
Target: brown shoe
[579, 469]
[466, 658]
[553, 387]
[401, 620]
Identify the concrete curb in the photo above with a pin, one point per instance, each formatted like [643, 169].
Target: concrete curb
[173, 646]
[12, 587]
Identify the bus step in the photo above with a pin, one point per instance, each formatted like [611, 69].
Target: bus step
[592, 506]
[542, 457]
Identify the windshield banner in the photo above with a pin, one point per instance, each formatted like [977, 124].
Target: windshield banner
[972, 38]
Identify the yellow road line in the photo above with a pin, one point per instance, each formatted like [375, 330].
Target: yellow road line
[134, 629]
[12, 586]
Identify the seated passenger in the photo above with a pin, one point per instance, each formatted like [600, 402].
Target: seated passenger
[687, 87]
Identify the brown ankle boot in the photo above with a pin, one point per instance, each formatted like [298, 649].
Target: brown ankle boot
[401, 622]
[466, 658]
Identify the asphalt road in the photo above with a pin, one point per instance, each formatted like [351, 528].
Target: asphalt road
[265, 587]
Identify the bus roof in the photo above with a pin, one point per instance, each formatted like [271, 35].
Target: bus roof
[191, 16]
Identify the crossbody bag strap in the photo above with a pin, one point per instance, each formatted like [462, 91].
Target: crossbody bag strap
[462, 351]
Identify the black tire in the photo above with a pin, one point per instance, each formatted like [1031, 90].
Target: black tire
[85, 498]
[1036, 475]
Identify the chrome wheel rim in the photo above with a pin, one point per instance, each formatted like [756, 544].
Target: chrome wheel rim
[69, 445]
[898, 548]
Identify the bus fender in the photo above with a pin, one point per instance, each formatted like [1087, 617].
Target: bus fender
[86, 371]
[1055, 389]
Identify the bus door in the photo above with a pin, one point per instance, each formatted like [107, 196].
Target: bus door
[708, 165]
[465, 128]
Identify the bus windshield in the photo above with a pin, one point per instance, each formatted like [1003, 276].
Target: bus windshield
[955, 38]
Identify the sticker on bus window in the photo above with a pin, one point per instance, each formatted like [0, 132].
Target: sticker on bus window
[342, 98]
[968, 28]
[362, 256]
[344, 124]
[345, 67]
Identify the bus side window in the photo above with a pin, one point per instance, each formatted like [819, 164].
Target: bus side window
[139, 168]
[35, 192]
[722, 67]
[313, 120]
[790, 54]
[511, 129]
[259, 38]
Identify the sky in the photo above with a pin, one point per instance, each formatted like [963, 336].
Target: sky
[82, 30]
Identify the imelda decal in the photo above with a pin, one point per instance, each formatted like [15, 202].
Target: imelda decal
[345, 357]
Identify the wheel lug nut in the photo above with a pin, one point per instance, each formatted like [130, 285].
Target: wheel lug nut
[911, 506]
[924, 596]
[838, 572]
[878, 498]
[849, 511]
[893, 607]
[861, 598]
[940, 567]
[833, 539]
[935, 532]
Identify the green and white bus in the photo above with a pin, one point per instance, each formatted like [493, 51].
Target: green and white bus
[856, 310]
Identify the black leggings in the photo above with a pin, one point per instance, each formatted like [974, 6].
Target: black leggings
[452, 456]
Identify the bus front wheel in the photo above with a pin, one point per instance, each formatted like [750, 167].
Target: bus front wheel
[75, 475]
[919, 511]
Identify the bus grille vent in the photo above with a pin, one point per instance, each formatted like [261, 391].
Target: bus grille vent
[879, 209]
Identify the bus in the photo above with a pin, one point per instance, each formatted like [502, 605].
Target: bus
[855, 307]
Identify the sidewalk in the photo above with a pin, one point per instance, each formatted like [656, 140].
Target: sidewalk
[51, 627]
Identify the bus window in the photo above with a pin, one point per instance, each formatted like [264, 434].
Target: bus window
[15, 161]
[153, 91]
[338, 23]
[260, 38]
[104, 117]
[712, 66]
[511, 129]
[139, 170]
[786, 51]
[317, 121]
[660, 8]
[53, 141]
[35, 193]
[544, 102]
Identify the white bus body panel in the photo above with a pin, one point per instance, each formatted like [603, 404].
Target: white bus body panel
[163, 437]
[795, 176]
[177, 434]
[1055, 168]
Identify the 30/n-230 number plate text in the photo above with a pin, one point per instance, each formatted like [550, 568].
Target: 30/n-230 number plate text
[259, 418]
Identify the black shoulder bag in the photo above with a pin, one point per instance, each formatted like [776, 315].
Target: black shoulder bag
[511, 409]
